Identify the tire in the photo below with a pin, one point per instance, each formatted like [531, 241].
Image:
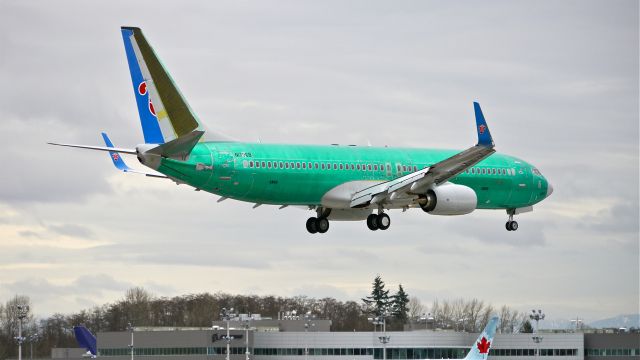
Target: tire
[372, 222]
[312, 225]
[384, 221]
[514, 226]
[323, 225]
[508, 225]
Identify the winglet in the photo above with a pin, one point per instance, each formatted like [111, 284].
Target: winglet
[484, 135]
[480, 349]
[115, 156]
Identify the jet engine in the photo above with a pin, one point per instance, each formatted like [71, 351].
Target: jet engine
[449, 199]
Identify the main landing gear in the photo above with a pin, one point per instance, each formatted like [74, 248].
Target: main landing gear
[511, 224]
[380, 221]
[319, 224]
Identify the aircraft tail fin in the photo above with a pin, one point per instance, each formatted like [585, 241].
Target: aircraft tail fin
[480, 349]
[164, 113]
[86, 339]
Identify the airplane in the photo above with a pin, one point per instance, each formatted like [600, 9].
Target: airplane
[348, 183]
[87, 340]
[480, 350]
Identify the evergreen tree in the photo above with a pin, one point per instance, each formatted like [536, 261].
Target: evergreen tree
[526, 327]
[378, 302]
[399, 305]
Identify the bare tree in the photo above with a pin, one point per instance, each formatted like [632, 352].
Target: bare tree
[415, 307]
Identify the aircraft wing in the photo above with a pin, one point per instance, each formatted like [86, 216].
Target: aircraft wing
[418, 182]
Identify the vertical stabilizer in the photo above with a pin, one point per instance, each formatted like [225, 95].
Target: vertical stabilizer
[480, 349]
[164, 113]
[85, 339]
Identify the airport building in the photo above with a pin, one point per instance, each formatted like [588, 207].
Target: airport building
[296, 339]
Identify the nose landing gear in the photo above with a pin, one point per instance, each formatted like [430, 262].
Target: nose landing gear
[511, 224]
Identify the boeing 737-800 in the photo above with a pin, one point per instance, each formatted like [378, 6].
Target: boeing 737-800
[337, 182]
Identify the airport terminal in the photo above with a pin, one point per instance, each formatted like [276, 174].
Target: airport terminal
[270, 339]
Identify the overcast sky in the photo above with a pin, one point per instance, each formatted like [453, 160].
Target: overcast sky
[557, 80]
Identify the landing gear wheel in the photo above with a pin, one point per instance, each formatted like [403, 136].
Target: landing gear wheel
[383, 221]
[372, 222]
[323, 225]
[513, 226]
[312, 225]
[508, 226]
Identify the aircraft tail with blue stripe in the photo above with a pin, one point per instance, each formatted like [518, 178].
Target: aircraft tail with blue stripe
[164, 113]
[480, 349]
[86, 339]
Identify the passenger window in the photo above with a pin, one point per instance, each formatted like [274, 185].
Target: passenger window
[281, 165]
[493, 171]
[286, 165]
[358, 166]
[304, 165]
[315, 165]
[322, 166]
[245, 164]
[352, 167]
[269, 164]
[415, 168]
[375, 167]
[369, 167]
[340, 166]
[335, 166]
[250, 163]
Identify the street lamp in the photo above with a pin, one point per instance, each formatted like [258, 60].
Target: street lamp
[578, 322]
[23, 311]
[32, 338]
[537, 316]
[247, 326]
[226, 315]
[308, 317]
[384, 339]
[427, 318]
[130, 328]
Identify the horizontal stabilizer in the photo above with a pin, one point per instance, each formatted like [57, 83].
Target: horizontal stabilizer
[178, 148]
[99, 148]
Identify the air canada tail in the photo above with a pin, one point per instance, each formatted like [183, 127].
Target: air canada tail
[164, 113]
[480, 349]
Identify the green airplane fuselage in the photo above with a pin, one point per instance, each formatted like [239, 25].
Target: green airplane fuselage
[303, 174]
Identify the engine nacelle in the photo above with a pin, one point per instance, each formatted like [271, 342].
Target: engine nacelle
[449, 199]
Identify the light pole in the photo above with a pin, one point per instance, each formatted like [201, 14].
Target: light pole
[247, 326]
[226, 315]
[130, 328]
[578, 322]
[537, 316]
[308, 317]
[32, 338]
[384, 339]
[427, 317]
[23, 311]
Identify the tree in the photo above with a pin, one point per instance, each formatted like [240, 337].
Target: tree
[416, 308]
[378, 302]
[399, 305]
[526, 327]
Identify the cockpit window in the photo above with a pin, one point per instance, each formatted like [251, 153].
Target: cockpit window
[536, 171]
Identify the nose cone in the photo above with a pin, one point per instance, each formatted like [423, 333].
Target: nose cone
[549, 189]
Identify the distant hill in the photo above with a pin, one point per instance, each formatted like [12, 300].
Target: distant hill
[627, 321]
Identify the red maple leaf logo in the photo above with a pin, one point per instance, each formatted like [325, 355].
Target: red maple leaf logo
[482, 128]
[483, 345]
